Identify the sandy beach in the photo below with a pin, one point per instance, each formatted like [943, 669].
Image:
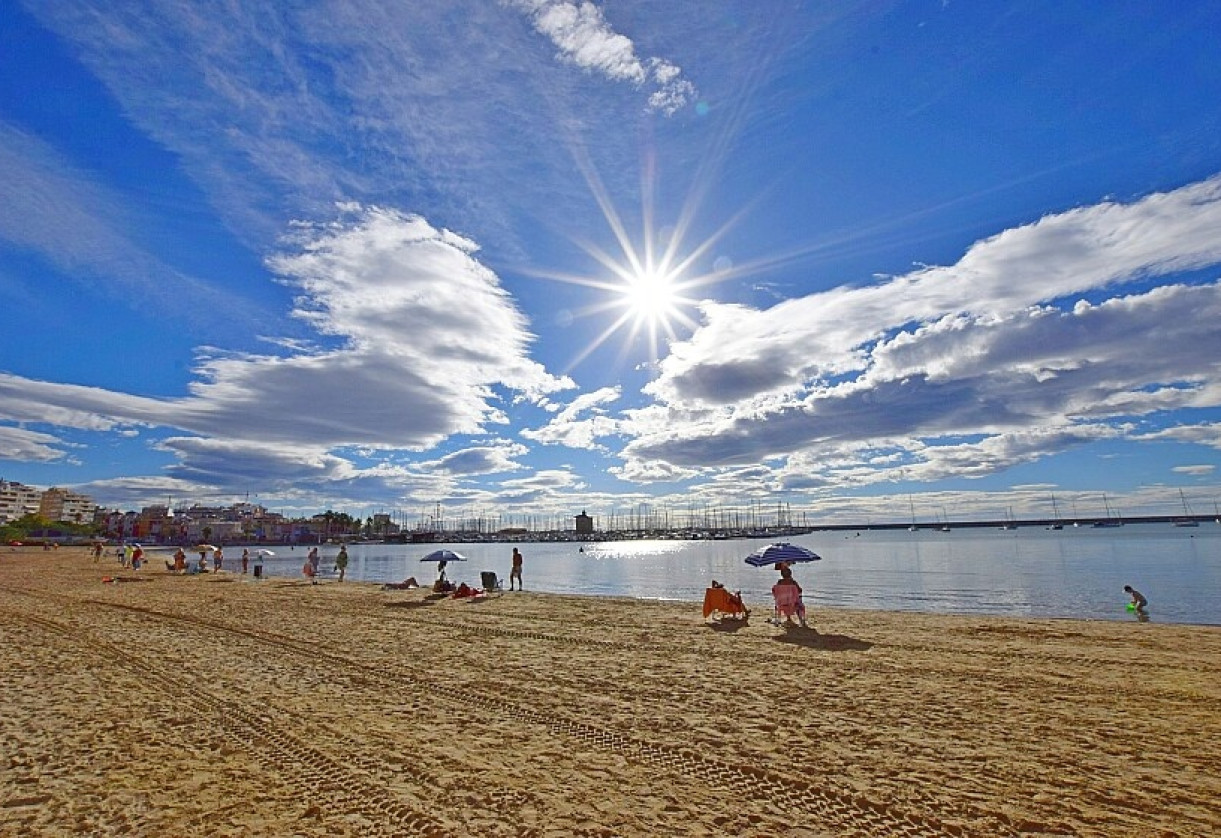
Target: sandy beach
[223, 706]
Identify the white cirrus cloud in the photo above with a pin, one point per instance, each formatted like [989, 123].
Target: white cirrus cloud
[584, 38]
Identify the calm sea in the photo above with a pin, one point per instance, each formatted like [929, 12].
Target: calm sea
[1029, 572]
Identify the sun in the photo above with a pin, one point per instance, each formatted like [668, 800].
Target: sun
[652, 296]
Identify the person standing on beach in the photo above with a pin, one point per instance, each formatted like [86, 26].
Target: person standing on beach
[341, 561]
[314, 561]
[258, 565]
[515, 572]
[245, 560]
[218, 559]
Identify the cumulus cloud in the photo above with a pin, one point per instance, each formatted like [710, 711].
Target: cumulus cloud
[480, 459]
[994, 348]
[573, 428]
[420, 340]
[584, 38]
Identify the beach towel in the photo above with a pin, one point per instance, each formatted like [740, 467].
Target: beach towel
[719, 600]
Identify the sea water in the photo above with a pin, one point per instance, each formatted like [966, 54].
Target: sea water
[1028, 572]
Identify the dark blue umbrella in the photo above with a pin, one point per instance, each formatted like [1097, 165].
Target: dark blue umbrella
[779, 552]
[444, 556]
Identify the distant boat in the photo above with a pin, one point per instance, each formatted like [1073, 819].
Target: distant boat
[912, 506]
[1055, 512]
[1109, 521]
[1010, 522]
[944, 526]
[1186, 520]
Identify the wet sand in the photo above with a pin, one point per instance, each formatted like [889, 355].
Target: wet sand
[221, 706]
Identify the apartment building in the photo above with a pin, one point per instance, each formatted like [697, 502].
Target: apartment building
[65, 505]
[18, 500]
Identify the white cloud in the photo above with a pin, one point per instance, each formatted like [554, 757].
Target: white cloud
[1204, 434]
[29, 446]
[983, 348]
[569, 428]
[481, 459]
[426, 338]
[830, 333]
[585, 38]
[1195, 471]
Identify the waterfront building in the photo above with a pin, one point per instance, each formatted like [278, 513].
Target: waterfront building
[585, 524]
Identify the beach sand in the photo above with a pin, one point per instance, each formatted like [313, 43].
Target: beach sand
[221, 706]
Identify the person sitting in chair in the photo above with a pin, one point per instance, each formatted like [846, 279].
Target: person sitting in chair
[788, 600]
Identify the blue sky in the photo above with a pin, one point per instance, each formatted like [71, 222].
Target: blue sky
[529, 257]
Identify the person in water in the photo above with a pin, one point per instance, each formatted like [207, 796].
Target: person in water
[1138, 599]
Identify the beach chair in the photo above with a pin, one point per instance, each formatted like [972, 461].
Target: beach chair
[788, 603]
[722, 603]
[490, 581]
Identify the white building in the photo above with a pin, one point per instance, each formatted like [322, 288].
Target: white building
[66, 505]
[18, 500]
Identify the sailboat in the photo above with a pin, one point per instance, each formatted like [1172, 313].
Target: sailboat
[944, 526]
[1055, 512]
[912, 506]
[1186, 520]
[1109, 521]
[1010, 522]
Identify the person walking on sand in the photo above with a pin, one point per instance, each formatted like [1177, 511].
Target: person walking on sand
[314, 562]
[245, 560]
[218, 558]
[341, 561]
[258, 565]
[515, 572]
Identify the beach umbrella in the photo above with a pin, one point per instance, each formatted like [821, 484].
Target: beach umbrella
[205, 548]
[444, 556]
[263, 552]
[781, 553]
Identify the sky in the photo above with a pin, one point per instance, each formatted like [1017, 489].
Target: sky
[516, 259]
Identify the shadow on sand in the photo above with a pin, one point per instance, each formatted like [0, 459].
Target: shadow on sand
[812, 639]
[727, 626]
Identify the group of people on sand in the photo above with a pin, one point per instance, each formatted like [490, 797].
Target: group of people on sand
[313, 564]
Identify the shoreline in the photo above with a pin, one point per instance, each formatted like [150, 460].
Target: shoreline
[207, 706]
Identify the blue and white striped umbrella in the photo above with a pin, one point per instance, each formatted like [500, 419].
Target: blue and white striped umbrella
[779, 552]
